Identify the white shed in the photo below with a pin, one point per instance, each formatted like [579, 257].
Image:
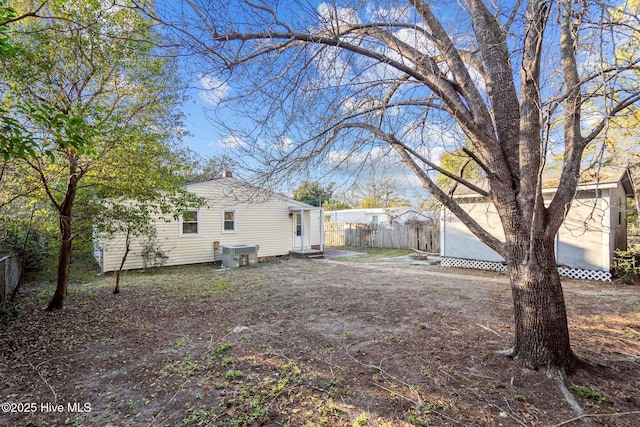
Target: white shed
[378, 215]
[594, 228]
[359, 216]
[236, 213]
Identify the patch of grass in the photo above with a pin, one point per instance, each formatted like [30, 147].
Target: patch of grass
[361, 421]
[181, 342]
[292, 373]
[420, 416]
[372, 254]
[228, 360]
[74, 422]
[187, 367]
[214, 288]
[233, 374]
[221, 349]
[588, 393]
[593, 395]
[249, 402]
[201, 415]
[213, 355]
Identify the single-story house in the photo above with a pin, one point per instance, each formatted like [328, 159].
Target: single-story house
[594, 228]
[236, 214]
[377, 215]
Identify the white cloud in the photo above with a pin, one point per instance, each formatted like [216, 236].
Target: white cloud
[391, 14]
[214, 90]
[331, 67]
[284, 144]
[232, 141]
[333, 16]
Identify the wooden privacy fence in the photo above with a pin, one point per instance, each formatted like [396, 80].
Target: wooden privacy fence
[424, 236]
[9, 275]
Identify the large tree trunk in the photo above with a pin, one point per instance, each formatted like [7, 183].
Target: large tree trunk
[66, 236]
[541, 330]
[64, 262]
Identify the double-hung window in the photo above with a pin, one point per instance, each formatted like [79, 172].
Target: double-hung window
[229, 221]
[189, 223]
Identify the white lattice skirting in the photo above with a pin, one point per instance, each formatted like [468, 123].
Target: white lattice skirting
[574, 273]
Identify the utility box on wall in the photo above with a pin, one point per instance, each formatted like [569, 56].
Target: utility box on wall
[239, 255]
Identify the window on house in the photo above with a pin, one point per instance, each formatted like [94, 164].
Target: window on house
[374, 219]
[229, 221]
[190, 222]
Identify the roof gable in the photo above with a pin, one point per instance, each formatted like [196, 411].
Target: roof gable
[253, 192]
[590, 179]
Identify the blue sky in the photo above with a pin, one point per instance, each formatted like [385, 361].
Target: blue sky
[203, 138]
[208, 140]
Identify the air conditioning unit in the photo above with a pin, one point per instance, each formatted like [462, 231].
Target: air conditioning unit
[239, 255]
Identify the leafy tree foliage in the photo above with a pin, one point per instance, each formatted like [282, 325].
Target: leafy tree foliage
[384, 192]
[103, 107]
[15, 141]
[25, 237]
[335, 205]
[462, 165]
[205, 169]
[313, 193]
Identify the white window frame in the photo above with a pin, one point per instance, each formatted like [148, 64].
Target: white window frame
[235, 221]
[198, 227]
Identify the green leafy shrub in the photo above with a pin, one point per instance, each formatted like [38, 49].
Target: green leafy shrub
[626, 266]
[152, 255]
[40, 244]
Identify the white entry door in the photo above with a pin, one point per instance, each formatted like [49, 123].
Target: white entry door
[297, 231]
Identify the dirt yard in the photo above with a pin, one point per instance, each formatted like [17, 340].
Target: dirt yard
[341, 342]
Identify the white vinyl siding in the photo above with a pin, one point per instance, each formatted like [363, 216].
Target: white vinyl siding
[583, 240]
[259, 218]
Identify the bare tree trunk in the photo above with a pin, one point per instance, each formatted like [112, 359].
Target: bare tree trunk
[124, 259]
[64, 258]
[541, 330]
[64, 262]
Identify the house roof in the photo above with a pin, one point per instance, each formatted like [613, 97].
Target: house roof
[590, 179]
[257, 192]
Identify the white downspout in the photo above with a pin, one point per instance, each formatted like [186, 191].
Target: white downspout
[443, 230]
[303, 229]
[321, 229]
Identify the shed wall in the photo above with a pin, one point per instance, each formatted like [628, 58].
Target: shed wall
[582, 241]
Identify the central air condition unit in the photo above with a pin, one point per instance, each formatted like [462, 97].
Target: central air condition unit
[239, 255]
